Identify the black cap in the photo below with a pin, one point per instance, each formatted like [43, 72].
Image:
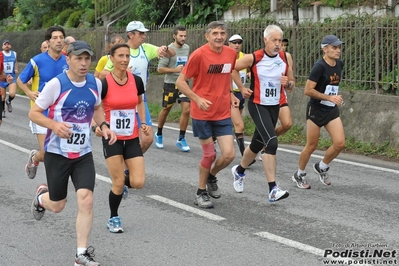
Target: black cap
[79, 47]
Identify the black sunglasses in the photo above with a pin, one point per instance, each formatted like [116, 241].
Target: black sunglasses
[237, 41]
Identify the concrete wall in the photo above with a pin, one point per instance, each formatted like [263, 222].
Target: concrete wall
[366, 116]
[315, 13]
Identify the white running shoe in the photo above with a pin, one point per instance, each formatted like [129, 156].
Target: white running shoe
[238, 180]
[277, 194]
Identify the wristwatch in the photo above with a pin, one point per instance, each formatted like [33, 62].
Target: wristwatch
[103, 123]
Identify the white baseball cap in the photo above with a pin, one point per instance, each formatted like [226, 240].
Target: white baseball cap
[235, 37]
[136, 25]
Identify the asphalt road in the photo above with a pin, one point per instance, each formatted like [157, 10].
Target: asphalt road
[352, 218]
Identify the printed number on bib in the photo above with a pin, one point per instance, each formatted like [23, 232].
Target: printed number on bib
[122, 121]
[270, 92]
[8, 67]
[330, 90]
[79, 139]
[243, 77]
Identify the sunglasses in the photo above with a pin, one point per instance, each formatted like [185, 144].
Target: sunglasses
[235, 42]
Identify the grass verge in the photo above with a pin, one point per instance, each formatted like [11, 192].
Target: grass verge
[296, 136]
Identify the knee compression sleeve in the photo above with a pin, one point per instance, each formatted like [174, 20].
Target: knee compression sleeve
[209, 155]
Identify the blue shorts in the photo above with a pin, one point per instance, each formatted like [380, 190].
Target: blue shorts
[204, 129]
[147, 113]
[5, 84]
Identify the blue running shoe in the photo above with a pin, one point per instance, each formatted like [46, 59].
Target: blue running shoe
[182, 145]
[114, 225]
[125, 192]
[158, 141]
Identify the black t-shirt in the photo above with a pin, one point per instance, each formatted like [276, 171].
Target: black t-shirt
[324, 75]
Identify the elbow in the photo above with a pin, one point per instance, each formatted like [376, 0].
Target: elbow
[31, 116]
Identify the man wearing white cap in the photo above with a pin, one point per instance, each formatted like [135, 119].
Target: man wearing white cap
[322, 111]
[140, 55]
[235, 42]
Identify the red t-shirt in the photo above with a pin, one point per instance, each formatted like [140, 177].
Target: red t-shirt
[1, 62]
[212, 81]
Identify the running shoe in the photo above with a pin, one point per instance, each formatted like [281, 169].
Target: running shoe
[31, 166]
[37, 210]
[9, 106]
[125, 192]
[4, 113]
[277, 194]
[300, 180]
[86, 259]
[213, 188]
[182, 145]
[322, 173]
[114, 225]
[238, 180]
[203, 200]
[158, 141]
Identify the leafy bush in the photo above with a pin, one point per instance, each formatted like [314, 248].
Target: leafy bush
[49, 19]
[90, 16]
[74, 19]
[63, 16]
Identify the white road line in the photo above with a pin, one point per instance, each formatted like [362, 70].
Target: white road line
[319, 157]
[291, 243]
[5, 143]
[300, 246]
[187, 208]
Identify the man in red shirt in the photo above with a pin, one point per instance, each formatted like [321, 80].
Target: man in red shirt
[210, 66]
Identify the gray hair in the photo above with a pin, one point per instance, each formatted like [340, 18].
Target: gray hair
[272, 28]
[214, 25]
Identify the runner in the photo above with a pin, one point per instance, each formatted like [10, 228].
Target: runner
[172, 67]
[10, 68]
[270, 74]
[44, 47]
[322, 110]
[116, 38]
[235, 42]
[210, 66]
[73, 100]
[120, 112]
[68, 40]
[42, 68]
[140, 55]
[3, 77]
[285, 114]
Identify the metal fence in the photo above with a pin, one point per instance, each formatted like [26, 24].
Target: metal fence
[370, 51]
